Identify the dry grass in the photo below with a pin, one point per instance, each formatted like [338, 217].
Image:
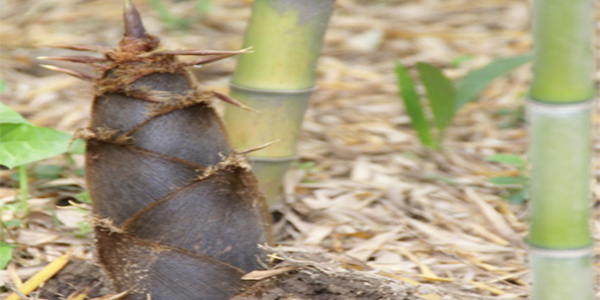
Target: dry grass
[373, 198]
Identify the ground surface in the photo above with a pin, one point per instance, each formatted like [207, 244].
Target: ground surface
[364, 192]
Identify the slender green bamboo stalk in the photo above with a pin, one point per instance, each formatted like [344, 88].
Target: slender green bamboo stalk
[277, 80]
[563, 63]
[561, 150]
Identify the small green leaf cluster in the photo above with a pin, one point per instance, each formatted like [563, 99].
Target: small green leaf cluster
[445, 97]
[517, 186]
[22, 142]
[5, 254]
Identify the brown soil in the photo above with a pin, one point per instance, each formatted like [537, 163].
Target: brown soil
[312, 284]
[308, 283]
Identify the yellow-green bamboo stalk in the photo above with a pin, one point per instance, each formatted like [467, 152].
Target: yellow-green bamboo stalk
[561, 150]
[277, 80]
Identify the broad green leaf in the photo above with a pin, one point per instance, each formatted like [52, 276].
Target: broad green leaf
[509, 180]
[413, 107]
[441, 95]
[23, 143]
[508, 159]
[6, 251]
[8, 115]
[476, 81]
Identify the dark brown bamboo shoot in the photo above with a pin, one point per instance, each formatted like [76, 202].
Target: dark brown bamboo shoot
[178, 212]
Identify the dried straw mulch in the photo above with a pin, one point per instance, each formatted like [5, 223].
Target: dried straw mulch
[365, 192]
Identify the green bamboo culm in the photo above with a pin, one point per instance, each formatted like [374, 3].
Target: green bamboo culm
[277, 80]
[560, 116]
[563, 53]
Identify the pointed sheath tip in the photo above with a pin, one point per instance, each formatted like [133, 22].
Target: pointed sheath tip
[134, 28]
[91, 48]
[244, 152]
[232, 101]
[74, 59]
[80, 75]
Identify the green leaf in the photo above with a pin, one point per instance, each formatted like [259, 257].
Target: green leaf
[8, 115]
[518, 196]
[48, 171]
[508, 159]
[413, 107]
[441, 178]
[84, 229]
[23, 143]
[6, 252]
[459, 61]
[84, 197]
[204, 7]
[80, 171]
[77, 147]
[165, 14]
[3, 86]
[515, 117]
[509, 180]
[13, 223]
[441, 94]
[476, 81]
